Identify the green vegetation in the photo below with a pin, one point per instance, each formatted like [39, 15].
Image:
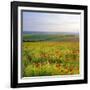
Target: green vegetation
[49, 37]
[50, 55]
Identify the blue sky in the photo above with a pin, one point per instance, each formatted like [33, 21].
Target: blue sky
[51, 22]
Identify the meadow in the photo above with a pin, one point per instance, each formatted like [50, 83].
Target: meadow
[48, 55]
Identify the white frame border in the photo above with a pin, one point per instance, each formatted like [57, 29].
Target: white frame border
[51, 78]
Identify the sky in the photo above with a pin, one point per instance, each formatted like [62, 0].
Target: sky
[51, 22]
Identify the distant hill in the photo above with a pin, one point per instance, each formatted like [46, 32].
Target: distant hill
[50, 36]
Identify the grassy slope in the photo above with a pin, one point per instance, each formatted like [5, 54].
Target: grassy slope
[55, 55]
[50, 58]
[46, 37]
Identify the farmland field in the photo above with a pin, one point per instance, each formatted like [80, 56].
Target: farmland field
[50, 55]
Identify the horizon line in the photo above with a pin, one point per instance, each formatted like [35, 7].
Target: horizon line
[49, 31]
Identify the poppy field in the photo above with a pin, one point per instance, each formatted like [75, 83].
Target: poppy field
[50, 57]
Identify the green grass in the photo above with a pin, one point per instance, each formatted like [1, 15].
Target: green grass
[47, 37]
[50, 58]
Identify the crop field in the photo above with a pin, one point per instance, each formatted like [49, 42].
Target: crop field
[50, 55]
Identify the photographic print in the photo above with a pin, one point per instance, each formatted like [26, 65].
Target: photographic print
[49, 44]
